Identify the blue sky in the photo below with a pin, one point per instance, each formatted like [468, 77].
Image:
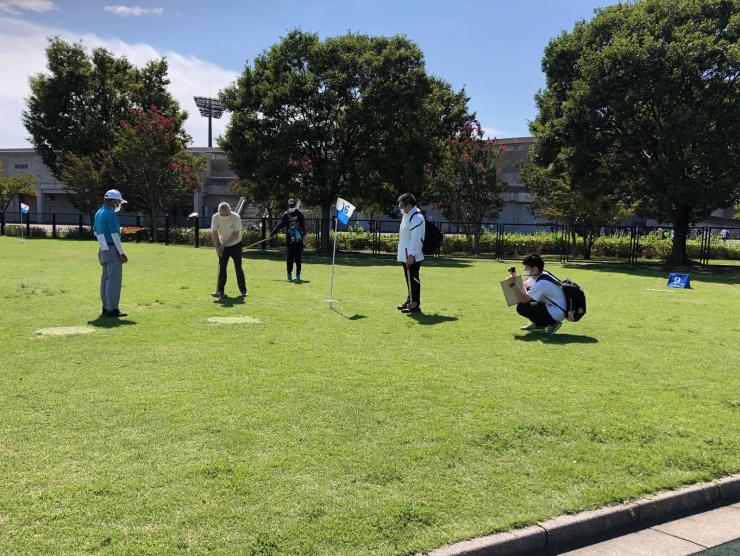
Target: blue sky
[493, 47]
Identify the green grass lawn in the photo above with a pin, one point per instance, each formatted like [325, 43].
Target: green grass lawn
[361, 431]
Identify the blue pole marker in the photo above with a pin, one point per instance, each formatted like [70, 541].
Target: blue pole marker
[677, 280]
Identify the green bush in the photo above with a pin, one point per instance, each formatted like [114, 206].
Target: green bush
[544, 243]
[16, 230]
[515, 243]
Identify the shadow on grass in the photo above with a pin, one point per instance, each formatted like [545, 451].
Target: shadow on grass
[109, 322]
[556, 338]
[227, 301]
[356, 316]
[356, 259]
[718, 275]
[425, 319]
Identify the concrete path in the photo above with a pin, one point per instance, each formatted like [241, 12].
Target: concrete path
[689, 535]
[684, 521]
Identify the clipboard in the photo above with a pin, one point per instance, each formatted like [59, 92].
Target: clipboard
[508, 286]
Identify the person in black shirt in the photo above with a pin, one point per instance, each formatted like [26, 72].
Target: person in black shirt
[295, 230]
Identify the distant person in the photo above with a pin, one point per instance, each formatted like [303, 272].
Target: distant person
[724, 234]
[294, 224]
[226, 229]
[107, 229]
[410, 242]
[541, 298]
[660, 233]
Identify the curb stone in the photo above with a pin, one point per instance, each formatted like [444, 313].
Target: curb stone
[573, 531]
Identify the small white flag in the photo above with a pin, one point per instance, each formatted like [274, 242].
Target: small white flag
[25, 208]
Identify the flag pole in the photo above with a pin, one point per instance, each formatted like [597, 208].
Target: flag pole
[333, 257]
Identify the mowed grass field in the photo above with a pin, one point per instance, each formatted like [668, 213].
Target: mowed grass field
[357, 431]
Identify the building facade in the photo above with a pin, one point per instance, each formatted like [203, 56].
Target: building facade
[51, 196]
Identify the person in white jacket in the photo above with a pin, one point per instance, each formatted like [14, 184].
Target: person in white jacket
[410, 241]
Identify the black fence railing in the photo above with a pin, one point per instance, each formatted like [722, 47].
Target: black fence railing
[708, 246]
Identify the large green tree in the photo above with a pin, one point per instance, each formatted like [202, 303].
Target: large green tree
[644, 100]
[556, 197]
[352, 115]
[464, 184]
[150, 165]
[76, 106]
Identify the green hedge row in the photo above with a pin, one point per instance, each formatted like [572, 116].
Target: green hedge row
[515, 243]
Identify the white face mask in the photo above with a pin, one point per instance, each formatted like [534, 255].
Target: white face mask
[117, 209]
[527, 273]
[291, 210]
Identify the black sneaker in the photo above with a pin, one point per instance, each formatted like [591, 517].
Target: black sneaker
[402, 306]
[116, 313]
[243, 293]
[415, 309]
[217, 294]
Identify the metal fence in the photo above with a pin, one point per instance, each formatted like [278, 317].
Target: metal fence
[709, 246]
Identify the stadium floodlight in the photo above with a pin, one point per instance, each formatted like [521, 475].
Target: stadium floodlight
[209, 108]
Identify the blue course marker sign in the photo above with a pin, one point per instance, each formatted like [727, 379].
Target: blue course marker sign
[676, 280]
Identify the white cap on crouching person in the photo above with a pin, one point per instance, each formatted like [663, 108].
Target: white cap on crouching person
[114, 195]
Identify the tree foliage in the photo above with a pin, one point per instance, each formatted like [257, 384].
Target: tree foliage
[12, 186]
[149, 163]
[464, 183]
[642, 103]
[352, 115]
[75, 108]
[84, 181]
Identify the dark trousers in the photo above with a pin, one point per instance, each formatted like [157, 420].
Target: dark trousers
[412, 277]
[536, 312]
[294, 255]
[233, 252]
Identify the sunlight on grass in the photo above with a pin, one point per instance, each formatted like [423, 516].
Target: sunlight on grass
[349, 431]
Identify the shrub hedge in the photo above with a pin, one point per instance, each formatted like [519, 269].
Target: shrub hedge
[515, 243]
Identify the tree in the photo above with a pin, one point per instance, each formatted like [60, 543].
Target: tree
[150, 165]
[353, 115]
[464, 184]
[11, 186]
[557, 198]
[74, 109]
[644, 100]
[84, 182]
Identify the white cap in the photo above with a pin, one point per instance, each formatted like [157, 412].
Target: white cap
[114, 195]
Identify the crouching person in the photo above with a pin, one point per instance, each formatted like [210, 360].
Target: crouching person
[541, 298]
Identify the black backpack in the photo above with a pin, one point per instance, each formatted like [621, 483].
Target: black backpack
[575, 297]
[432, 239]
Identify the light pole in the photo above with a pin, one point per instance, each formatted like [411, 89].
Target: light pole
[209, 108]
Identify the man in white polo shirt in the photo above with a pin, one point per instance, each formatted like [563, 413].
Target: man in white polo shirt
[541, 299]
[226, 229]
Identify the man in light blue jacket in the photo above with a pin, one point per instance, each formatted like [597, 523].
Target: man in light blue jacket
[107, 230]
[410, 243]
